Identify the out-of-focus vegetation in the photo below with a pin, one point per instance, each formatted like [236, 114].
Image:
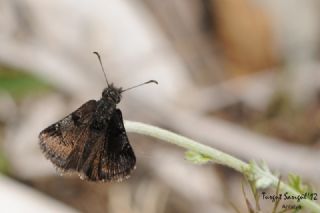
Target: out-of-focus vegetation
[20, 84]
[282, 119]
[4, 164]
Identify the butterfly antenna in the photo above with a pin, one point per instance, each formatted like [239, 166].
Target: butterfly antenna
[148, 82]
[105, 76]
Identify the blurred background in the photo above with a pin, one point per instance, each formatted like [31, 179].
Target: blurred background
[241, 76]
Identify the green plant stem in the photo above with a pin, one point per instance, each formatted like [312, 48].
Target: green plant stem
[216, 155]
[186, 143]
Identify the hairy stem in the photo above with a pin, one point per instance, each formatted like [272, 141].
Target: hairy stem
[216, 155]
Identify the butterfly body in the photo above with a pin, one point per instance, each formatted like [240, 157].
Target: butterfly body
[92, 140]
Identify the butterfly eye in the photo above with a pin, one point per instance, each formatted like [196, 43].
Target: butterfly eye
[107, 92]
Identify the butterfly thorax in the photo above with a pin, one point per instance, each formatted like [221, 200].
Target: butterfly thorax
[106, 106]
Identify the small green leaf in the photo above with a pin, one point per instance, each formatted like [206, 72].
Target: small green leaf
[263, 183]
[260, 179]
[295, 182]
[196, 157]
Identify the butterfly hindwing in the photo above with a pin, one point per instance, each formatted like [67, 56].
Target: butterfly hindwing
[112, 157]
[119, 156]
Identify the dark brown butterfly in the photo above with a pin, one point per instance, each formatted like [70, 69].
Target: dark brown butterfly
[92, 140]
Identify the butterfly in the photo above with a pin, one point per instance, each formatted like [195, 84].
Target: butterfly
[92, 140]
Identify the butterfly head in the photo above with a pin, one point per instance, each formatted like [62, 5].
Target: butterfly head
[112, 93]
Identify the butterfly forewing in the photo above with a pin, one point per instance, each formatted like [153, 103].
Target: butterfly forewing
[60, 139]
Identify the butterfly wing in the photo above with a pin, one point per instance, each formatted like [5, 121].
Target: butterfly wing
[61, 139]
[112, 156]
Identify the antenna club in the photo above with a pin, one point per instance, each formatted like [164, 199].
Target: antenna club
[151, 81]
